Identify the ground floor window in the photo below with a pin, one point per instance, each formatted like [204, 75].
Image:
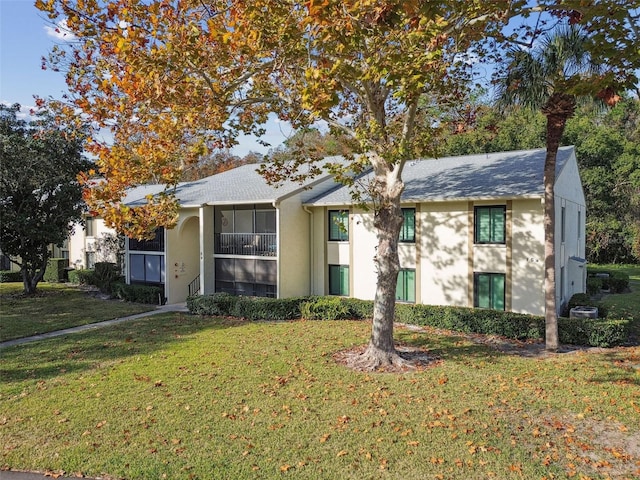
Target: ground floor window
[246, 276]
[406, 287]
[90, 260]
[339, 280]
[489, 290]
[145, 268]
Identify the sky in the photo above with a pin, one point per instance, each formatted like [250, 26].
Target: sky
[26, 35]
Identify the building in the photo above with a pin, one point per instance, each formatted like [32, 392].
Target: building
[473, 235]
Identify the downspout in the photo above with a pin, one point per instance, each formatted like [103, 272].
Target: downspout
[276, 206]
[306, 209]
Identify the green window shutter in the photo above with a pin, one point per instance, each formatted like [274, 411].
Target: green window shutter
[406, 286]
[483, 291]
[344, 280]
[497, 292]
[497, 225]
[408, 231]
[339, 280]
[483, 225]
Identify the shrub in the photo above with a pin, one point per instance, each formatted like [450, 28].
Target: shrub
[55, 271]
[105, 274]
[618, 282]
[219, 304]
[81, 277]
[7, 276]
[359, 309]
[325, 308]
[262, 308]
[137, 293]
[594, 285]
[593, 332]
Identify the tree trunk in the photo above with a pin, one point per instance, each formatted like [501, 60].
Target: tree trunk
[558, 109]
[388, 219]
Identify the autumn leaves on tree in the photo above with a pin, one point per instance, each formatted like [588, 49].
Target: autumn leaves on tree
[174, 80]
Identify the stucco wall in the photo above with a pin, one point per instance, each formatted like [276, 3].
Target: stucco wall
[80, 243]
[569, 196]
[182, 262]
[527, 281]
[444, 253]
[293, 248]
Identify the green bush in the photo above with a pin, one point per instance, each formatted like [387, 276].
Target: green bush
[594, 285]
[81, 277]
[7, 276]
[325, 308]
[137, 293]
[594, 332]
[55, 271]
[618, 282]
[262, 308]
[105, 274]
[217, 304]
[359, 309]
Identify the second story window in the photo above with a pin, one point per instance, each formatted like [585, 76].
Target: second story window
[90, 226]
[156, 244]
[490, 224]
[339, 225]
[408, 229]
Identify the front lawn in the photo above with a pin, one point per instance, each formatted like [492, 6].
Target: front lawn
[55, 307]
[183, 397]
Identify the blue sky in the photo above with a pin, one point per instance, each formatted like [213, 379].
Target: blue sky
[26, 35]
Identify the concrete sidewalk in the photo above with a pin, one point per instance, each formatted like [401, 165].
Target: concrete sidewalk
[177, 307]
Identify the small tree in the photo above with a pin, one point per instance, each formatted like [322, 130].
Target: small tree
[40, 195]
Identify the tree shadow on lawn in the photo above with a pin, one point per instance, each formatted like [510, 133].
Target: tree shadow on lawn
[86, 350]
[624, 363]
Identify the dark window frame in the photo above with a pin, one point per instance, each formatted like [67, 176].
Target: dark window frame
[405, 226]
[491, 276]
[344, 288]
[402, 274]
[477, 227]
[335, 233]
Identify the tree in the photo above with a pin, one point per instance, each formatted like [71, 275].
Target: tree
[174, 79]
[40, 196]
[550, 77]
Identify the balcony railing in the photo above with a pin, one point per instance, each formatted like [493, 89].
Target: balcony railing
[257, 244]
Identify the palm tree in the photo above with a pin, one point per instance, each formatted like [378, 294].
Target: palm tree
[547, 78]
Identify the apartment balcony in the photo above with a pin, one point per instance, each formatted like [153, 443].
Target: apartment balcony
[254, 244]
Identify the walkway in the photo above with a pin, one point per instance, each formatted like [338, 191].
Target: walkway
[177, 307]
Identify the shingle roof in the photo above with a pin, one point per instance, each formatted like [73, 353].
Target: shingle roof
[494, 175]
[236, 186]
[515, 174]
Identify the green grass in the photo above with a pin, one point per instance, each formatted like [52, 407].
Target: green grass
[55, 307]
[625, 305]
[181, 397]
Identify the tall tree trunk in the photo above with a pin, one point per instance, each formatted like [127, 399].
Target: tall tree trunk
[558, 109]
[381, 350]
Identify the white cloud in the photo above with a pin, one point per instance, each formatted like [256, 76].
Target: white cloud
[60, 31]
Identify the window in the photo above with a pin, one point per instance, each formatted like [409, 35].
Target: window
[490, 224]
[563, 223]
[406, 287]
[489, 290]
[561, 283]
[339, 225]
[156, 244]
[408, 229]
[339, 280]
[90, 226]
[146, 268]
[579, 223]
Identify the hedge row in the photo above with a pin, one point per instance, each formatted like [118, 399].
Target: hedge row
[7, 276]
[592, 332]
[137, 293]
